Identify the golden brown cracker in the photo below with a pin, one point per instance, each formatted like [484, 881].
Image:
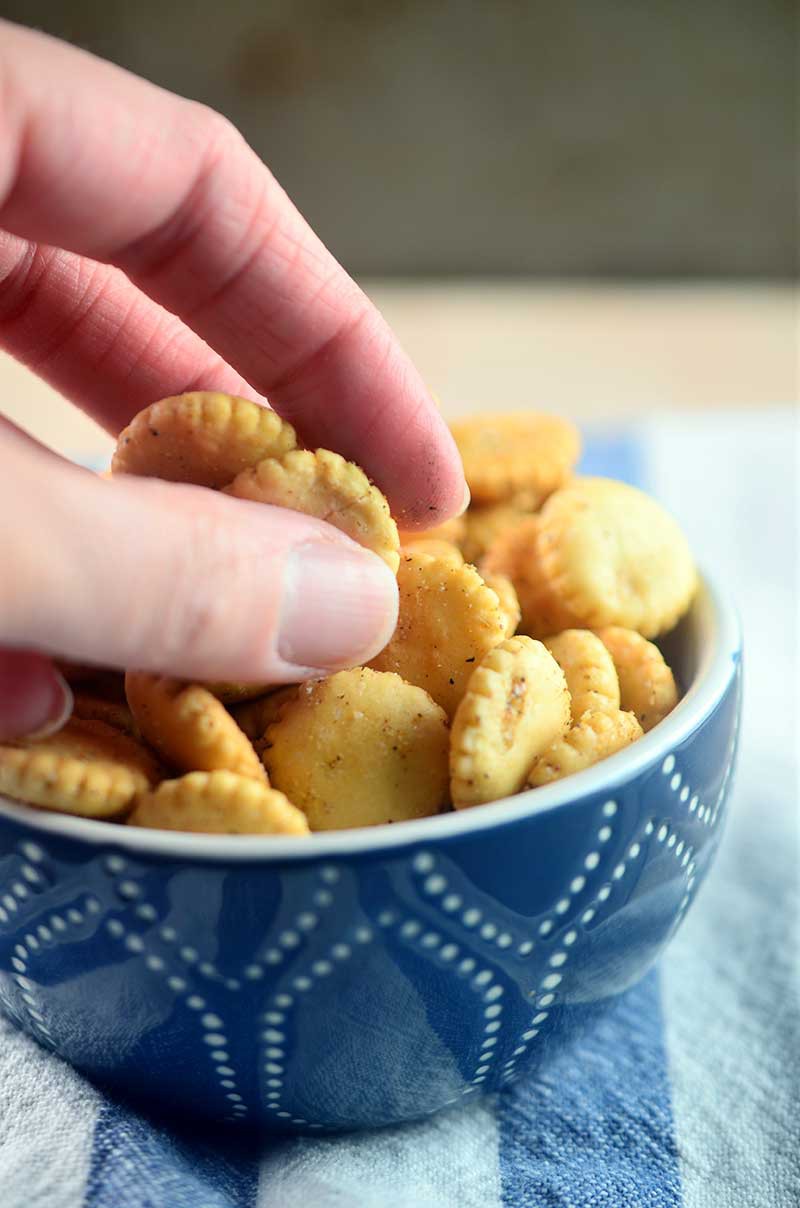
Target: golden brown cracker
[204, 437]
[594, 737]
[589, 670]
[515, 554]
[218, 803]
[189, 727]
[324, 485]
[506, 593]
[610, 555]
[515, 706]
[448, 619]
[86, 768]
[646, 684]
[359, 749]
[521, 451]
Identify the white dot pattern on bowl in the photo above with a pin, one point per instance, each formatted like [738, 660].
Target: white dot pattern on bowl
[465, 927]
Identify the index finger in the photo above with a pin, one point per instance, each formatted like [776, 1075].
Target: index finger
[106, 165]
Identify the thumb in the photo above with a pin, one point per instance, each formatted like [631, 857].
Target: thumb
[178, 579]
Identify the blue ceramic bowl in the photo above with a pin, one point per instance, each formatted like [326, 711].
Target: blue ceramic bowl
[370, 976]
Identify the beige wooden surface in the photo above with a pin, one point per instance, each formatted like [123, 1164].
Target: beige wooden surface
[591, 351]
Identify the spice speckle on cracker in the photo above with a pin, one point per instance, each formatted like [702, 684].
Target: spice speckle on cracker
[358, 749]
[448, 618]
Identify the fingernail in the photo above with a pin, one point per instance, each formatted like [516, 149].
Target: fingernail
[57, 711]
[339, 606]
[467, 500]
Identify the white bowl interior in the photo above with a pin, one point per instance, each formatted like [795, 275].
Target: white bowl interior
[700, 650]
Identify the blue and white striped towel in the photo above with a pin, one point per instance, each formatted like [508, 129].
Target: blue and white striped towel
[688, 1092]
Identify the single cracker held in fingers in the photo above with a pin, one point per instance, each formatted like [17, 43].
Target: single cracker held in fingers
[448, 619]
[190, 727]
[87, 768]
[522, 451]
[324, 485]
[218, 803]
[610, 555]
[205, 438]
[515, 554]
[589, 670]
[359, 749]
[646, 684]
[594, 737]
[506, 593]
[515, 706]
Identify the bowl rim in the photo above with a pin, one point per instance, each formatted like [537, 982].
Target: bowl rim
[716, 667]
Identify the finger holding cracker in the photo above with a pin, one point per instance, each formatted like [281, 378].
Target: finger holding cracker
[324, 485]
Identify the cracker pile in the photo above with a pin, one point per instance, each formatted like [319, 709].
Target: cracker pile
[523, 651]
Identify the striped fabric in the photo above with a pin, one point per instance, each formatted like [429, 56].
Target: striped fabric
[686, 1093]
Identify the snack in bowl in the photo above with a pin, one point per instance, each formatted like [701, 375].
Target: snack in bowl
[521, 653]
[259, 970]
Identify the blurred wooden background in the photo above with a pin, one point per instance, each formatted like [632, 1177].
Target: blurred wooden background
[580, 138]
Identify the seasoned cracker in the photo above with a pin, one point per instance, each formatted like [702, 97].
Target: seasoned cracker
[646, 684]
[359, 749]
[87, 768]
[448, 619]
[516, 705]
[589, 670]
[189, 727]
[523, 451]
[594, 737]
[433, 546]
[610, 555]
[506, 593]
[219, 803]
[324, 485]
[205, 437]
[515, 555]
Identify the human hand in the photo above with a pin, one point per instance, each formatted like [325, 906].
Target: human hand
[145, 251]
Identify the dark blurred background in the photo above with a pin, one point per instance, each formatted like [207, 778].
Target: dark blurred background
[614, 138]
